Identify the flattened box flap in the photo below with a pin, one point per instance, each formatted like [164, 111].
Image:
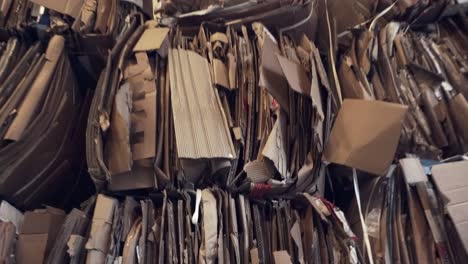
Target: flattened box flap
[365, 135]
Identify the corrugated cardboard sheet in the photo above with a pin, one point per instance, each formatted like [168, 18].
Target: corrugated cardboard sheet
[200, 125]
[452, 181]
[365, 135]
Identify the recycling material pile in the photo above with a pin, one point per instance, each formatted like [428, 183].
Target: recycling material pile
[233, 131]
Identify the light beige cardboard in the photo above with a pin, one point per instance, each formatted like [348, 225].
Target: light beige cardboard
[220, 73]
[232, 69]
[282, 257]
[201, 127]
[413, 171]
[152, 39]
[452, 181]
[295, 75]
[67, 7]
[365, 135]
[102, 15]
[254, 256]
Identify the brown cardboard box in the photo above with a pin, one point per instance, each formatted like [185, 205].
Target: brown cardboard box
[37, 234]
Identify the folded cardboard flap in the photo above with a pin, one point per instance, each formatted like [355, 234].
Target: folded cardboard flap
[37, 234]
[271, 73]
[67, 7]
[152, 39]
[451, 181]
[365, 135]
[295, 75]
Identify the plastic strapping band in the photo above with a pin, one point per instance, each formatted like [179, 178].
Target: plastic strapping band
[363, 223]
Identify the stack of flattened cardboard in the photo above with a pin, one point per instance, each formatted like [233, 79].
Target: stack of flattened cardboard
[239, 109]
[416, 213]
[425, 72]
[354, 13]
[41, 235]
[213, 226]
[217, 129]
[394, 78]
[216, 120]
[123, 147]
[251, 111]
[41, 119]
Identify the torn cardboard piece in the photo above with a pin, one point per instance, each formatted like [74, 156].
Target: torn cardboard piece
[365, 135]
